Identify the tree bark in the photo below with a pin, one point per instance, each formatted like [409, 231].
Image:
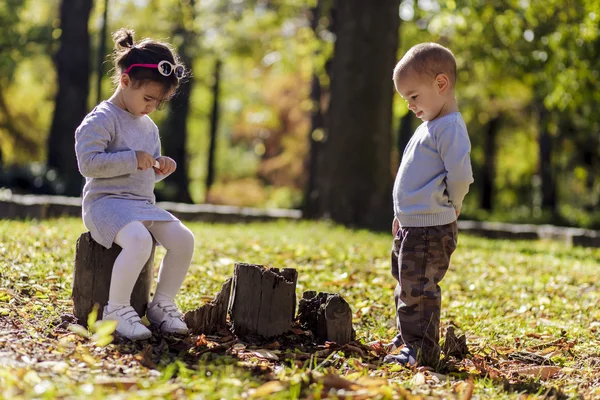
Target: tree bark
[355, 188]
[92, 276]
[212, 316]
[545, 162]
[214, 126]
[263, 301]
[489, 170]
[174, 130]
[327, 315]
[311, 193]
[101, 53]
[405, 131]
[73, 69]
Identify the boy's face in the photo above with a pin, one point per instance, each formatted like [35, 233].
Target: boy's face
[143, 99]
[424, 96]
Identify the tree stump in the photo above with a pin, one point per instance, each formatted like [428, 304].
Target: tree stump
[91, 281]
[263, 301]
[327, 315]
[212, 316]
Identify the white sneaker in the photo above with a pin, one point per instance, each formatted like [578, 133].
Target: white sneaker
[129, 323]
[167, 317]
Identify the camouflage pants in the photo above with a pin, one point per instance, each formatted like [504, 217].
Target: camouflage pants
[420, 259]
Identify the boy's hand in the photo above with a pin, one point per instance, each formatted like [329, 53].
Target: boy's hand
[457, 213]
[144, 160]
[395, 226]
[167, 166]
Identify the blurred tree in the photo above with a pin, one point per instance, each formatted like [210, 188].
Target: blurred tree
[101, 51]
[73, 67]
[322, 23]
[356, 179]
[174, 129]
[214, 125]
[17, 43]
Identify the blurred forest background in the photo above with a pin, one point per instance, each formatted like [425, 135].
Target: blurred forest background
[291, 102]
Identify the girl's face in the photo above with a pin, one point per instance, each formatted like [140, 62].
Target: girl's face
[143, 99]
[424, 96]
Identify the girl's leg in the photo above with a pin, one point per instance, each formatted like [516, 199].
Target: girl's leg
[136, 242]
[178, 240]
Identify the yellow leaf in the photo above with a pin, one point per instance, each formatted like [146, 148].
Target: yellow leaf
[268, 388]
[542, 371]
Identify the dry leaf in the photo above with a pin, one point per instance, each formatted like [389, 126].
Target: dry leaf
[418, 379]
[337, 382]
[268, 388]
[145, 357]
[266, 354]
[542, 371]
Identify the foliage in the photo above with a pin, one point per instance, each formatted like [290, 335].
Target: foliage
[512, 56]
[519, 303]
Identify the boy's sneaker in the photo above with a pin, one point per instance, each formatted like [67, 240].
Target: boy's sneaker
[129, 323]
[167, 317]
[407, 356]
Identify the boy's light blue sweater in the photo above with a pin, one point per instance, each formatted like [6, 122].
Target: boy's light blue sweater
[435, 173]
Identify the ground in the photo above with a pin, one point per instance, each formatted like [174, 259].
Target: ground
[529, 311]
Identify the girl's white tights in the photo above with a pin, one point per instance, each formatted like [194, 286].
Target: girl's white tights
[136, 241]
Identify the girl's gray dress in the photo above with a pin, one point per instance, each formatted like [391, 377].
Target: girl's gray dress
[116, 192]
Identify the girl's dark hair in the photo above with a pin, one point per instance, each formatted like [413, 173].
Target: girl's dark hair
[148, 51]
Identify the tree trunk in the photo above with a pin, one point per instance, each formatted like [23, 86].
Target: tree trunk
[327, 315]
[214, 125]
[101, 53]
[405, 132]
[489, 169]
[174, 129]
[263, 301]
[73, 68]
[545, 162]
[316, 134]
[355, 188]
[212, 316]
[92, 276]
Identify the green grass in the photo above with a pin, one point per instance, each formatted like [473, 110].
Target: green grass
[506, 297]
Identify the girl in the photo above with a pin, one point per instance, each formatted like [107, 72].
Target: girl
[118, 152]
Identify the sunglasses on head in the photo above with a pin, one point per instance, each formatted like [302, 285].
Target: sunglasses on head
[164, 67]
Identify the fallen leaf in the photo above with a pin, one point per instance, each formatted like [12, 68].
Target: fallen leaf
[542, 371]
[266, 354]
[337, 382]
[267, 389]
[418, 379]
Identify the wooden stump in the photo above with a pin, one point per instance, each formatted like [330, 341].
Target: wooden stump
[91, 282]
[327, 315]
[263, 301]
[212, 316]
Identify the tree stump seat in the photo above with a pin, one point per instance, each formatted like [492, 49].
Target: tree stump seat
[92, 276]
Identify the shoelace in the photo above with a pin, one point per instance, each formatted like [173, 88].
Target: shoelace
[123, 312]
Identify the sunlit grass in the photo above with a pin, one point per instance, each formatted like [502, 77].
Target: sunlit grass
[505, 296]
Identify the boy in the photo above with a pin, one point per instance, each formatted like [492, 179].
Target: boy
[433, 178]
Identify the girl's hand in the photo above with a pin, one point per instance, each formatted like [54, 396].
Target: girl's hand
[167, 166]
[144, 160]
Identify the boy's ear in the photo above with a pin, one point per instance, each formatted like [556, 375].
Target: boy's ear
[442, 82]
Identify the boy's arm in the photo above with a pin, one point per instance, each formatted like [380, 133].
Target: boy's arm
[454, 148]
[91, 142]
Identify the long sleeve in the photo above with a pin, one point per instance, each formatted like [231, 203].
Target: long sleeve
[454, 148]
[91, 143]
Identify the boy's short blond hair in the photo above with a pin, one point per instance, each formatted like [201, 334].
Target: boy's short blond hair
[427, 59]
